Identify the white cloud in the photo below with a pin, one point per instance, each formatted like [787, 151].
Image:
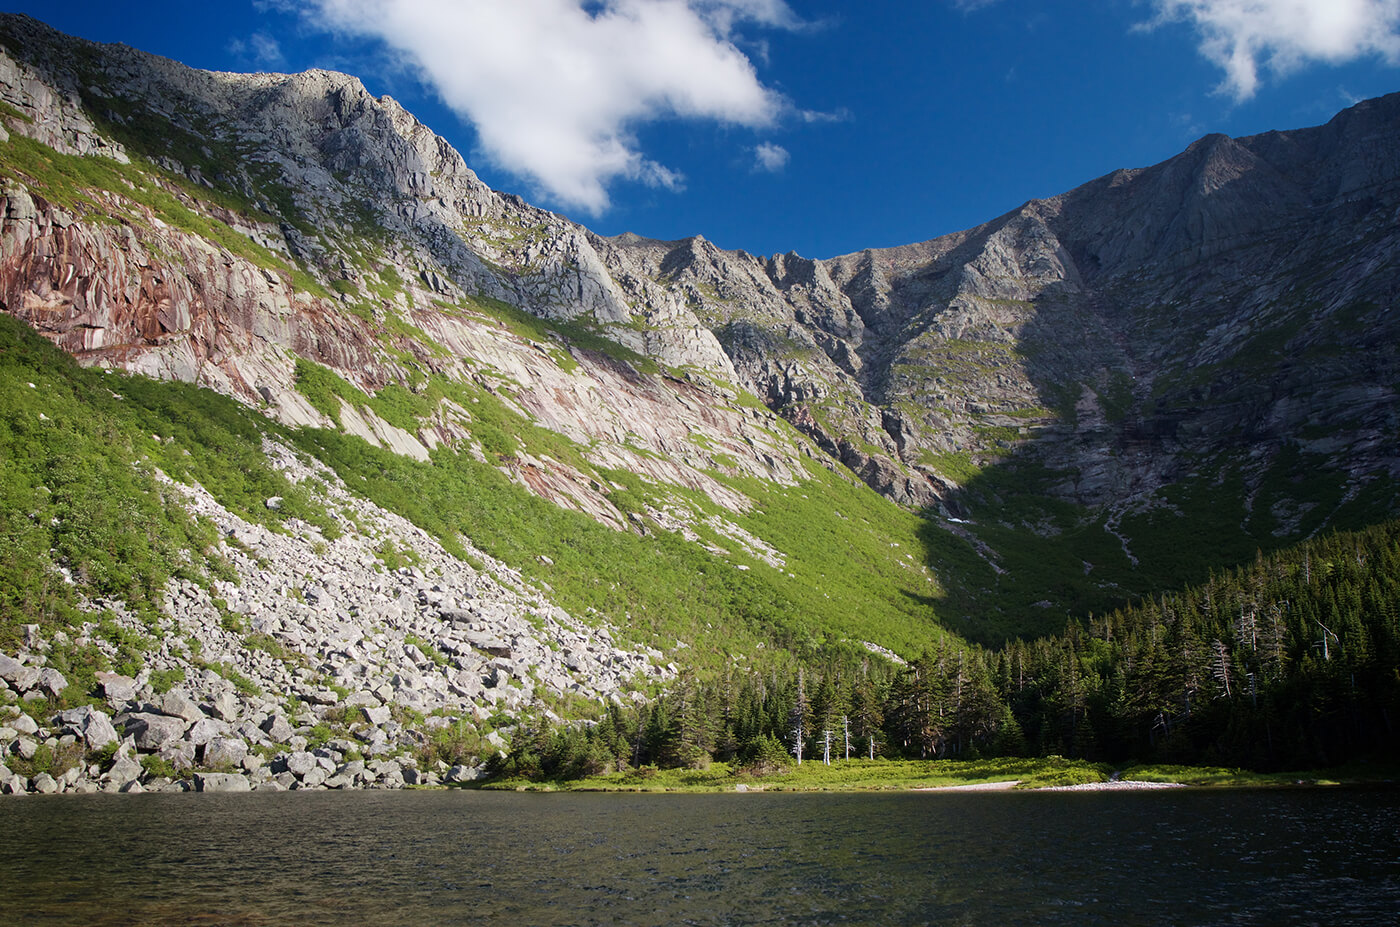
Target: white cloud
[1243, 36]
[770, 157]
[261, 50]
[267, 50]
[557, 88]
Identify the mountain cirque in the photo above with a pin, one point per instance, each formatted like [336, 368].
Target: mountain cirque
[1079, 379]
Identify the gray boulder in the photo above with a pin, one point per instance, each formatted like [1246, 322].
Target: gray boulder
[224, 706]
[124, 770]
[153, 731]
[99, 731]
[224, 751]
[23, 678]
[52, 681]
[117, 689]
[207, 730]
[353, 770]
[180, 754]
[92, 725]
[300, 763]
[277, 729]
[460, 773]
[180, 705]
[44, 784]
[361, 699]
[11, 783]
[24, 725]
[9, 666]
[221, 782]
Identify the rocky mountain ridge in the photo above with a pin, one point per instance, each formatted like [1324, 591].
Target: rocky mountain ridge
[1080, 311]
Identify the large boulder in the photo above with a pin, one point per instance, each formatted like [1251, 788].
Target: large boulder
[179, 754]
[9, 666]
[152, 731]
[92, 725]
[52, 681]
[23, 725]
[21, 678]
[124, 770]
[11, 783]
[300, 763]
[277, 729]
[116, 688]
[224, 706]
[221, 782]
[224, 751]
[206, 730]
[180, 705]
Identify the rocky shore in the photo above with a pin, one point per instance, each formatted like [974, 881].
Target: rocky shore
[318, 666]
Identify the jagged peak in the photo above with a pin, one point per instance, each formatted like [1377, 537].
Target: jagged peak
[1208, 142]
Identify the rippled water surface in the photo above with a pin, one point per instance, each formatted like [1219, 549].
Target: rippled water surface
[1168, 857]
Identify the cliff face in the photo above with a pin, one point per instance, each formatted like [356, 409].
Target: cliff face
[1236, 297]
[1221, 319]
[360, 241]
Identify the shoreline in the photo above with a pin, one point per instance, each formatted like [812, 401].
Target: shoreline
[1116, 784]
[742, 788]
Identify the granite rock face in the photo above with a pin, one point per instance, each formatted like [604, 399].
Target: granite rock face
[1239, 295]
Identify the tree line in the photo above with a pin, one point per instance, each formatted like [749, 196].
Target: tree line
[1290, 662]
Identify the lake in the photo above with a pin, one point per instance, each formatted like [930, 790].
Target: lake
[1326, 857]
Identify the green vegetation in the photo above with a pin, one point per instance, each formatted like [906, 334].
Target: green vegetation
[955, 465]
[857, 775]
[162, 681]
[1288, 660]
[840, 775]
[551, 331]
[76, 182]
[324, 389]
[847, 582]
[81, 510]
[80, 493]
[1287, 664]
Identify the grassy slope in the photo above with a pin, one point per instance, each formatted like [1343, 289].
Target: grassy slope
[1200, 526]
[849, 574]
[78, 492]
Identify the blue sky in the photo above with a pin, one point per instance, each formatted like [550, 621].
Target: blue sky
[819, 127]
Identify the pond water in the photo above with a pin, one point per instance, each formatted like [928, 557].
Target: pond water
[1326, 857]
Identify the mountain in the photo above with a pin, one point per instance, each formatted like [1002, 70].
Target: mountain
[464, 458]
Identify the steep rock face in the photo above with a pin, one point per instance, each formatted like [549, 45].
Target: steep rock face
[355, 215]
[1238, 295]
